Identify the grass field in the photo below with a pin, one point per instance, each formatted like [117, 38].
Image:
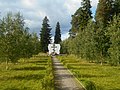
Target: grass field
[27, 74]
[103, 77]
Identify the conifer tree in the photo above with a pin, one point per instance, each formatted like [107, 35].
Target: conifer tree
[81, 16]
[57, 38]
[116, 7]
[45, 35]
[104, 11]
[103, 16]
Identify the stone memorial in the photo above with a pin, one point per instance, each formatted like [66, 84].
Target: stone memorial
[54, 49]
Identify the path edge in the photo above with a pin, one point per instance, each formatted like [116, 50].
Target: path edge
[77, 80]
[75, 77]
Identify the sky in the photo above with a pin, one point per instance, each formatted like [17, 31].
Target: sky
[34, 12]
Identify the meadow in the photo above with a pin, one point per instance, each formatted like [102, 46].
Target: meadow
[93, 76]
[28, 74]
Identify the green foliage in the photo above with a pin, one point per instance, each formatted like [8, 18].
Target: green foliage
[116, 7]
[35, 43]
[64, 47]
[114, 33]
[15, 41]
[90, 85]
[93, 75]
[87, 44]
[83, 45]
[57, 38]
[45, 36]
[102, 43]
[27, 74]
[10, 36]
[104, 11]
[99, 40]
[48, 80]
[81, 16]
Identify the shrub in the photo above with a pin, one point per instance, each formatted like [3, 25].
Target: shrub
[48, 80]
[89, 85]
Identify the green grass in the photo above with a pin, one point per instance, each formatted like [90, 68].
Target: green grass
[104, 77]
[27, 74]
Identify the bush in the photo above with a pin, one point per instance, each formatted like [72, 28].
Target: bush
[48, 80]
[89, 85]
[69, 66]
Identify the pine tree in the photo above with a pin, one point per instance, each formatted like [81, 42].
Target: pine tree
[116, 7]
[86, 6]
[104, 11]
[103, 16]
[57, 38]
[81, 16]
[76, 20]
[45, 36]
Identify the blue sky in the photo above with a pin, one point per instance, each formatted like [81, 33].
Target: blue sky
[35, 10]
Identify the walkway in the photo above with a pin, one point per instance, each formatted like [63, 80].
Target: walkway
[64, 80]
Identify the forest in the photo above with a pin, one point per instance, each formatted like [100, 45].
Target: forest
[96, 39]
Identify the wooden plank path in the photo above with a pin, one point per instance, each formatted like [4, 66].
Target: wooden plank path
[64, 80]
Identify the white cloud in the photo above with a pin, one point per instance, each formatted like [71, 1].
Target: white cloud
[72, 5]
[94, 3]
[29, 22]
[41, 13]
[35, 10]
[29, 3]
[32, 24]
[65, 36]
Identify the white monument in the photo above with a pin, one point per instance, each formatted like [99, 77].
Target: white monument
[54, 48]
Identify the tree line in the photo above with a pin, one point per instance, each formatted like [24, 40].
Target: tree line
[95, 39]
[16, 42]
[45, 35]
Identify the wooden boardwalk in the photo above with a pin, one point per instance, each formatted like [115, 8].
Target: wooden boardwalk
[64, 80]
